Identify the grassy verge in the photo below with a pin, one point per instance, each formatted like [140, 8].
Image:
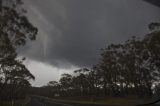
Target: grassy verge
[25, 101]
[125, 101]
[16, 103]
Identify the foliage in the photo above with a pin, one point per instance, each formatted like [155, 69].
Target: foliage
[15, 30]
[129, 68]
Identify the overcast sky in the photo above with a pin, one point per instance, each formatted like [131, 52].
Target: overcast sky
[72, 32]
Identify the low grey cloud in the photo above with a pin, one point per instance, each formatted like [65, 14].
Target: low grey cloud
[72, 32]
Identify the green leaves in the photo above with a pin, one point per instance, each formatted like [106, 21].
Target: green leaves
[134, 64]
[154, 25]
[15, 31]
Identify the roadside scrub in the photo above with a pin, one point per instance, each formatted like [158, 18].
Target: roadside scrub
[16, 103]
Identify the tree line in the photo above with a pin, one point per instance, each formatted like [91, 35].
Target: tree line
[129, 68]
[15, 31]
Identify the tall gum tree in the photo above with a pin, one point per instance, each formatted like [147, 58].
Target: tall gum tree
[15, 31]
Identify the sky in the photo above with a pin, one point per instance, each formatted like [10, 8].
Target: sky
[72, 32]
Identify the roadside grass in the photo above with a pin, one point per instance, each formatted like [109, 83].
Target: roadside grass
[22, 102]
[123, 101]
[113, 101]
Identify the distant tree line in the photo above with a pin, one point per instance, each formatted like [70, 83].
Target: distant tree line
[15, 30]
[129, 68]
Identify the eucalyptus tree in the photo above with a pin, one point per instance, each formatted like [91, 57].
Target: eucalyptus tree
[108, 69]
[15, 31]
[66, 84]
[81, 82]
[53, 83]
[131, 66]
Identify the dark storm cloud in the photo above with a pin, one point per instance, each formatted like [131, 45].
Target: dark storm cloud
[154, 2]
[72, 32]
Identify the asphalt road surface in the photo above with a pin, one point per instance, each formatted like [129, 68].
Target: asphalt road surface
[41, 102]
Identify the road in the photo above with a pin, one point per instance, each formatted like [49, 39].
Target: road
[37, 102]
[42, 102]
